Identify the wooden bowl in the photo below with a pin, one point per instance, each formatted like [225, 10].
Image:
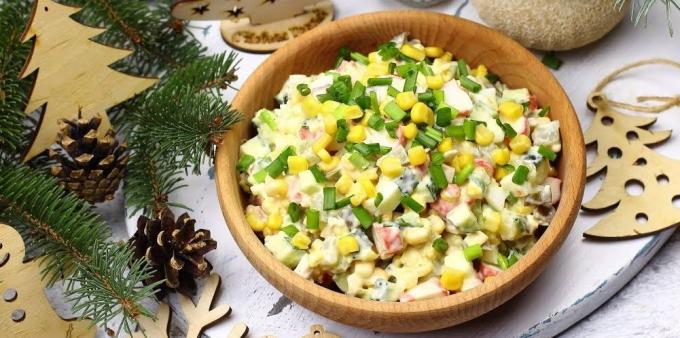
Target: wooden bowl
[314, 52]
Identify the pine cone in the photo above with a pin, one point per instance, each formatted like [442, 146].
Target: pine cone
[89, 166]
[175, 250]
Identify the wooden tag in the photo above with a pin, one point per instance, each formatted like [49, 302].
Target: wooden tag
[317, 331]
[24, 309]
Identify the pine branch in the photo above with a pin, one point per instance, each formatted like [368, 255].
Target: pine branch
[640, 10]
[72, 240]
[13, 91]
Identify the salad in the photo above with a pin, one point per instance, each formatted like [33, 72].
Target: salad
[401, 175]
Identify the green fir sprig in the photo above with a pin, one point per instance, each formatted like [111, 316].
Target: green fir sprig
[640, 10]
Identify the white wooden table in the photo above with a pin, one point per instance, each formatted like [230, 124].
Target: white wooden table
[582, 275]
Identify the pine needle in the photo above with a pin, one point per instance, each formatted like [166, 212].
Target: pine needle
[640, 10]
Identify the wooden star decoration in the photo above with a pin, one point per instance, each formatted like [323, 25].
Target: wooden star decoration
[236, 12]
[201, 9]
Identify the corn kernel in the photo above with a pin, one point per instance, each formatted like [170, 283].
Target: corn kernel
[480, 71]
[347, 245]
[500, 173]
[410, 131]
[255, 222]
[452, 279]
[301, 240]
[446, 57]
[374, 57]
[353, 112]
[492, 221]
[511, 110]
[417, 155]
[328, 107]
[461, 160]
[406, 100]
[322, 142]
[368, 186]
[435, 82]
[297, 164]
[324, 155]
[278, 187]
[420, 113]
[311, 106]
[358, 194]
[483, 135]
[274, 221]
[445, 145]
[377, 69]
[520, 144]
[522, 209]
[330, 125]
[500, 156]
[412, 52]
[370, 174]
[434, 52]
[343, 184]
[474, 191]
[357, 134]
[327, 166]
[390, 166]
[269, 232]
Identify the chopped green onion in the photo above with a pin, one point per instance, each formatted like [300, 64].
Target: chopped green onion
[328, 198]
[438, 177]
[342, 131]
[290, 230]
[358, 90]
[378, 200]
[440, 245]
[391, 128]
[412, 204]
[470, 85]
[260, 176]
[404, 69]
[388, 50]
[303, 89]
[391, 91]
[426, 97]
[469, 128]
[443, 117]
[268, 118]
[367, 149]
[343, 54]
[472, 252]
[384, 150]
[544, 111]
[244, 162]
[391, 67]
[521, 174]
[509, 168]
[462, 69]
[318, 175]
[438, 96]
[410, 81]
[379, 81]
[376, 122]
[434, 133]
[294, 211]
[512, 258]
[363, 101]
[547, 153]
[456, 131]
[279, 164]
[493, 78]
[511, 198]
[464, 173]
[502, 262]
[551, 61]
[343, 202]
[375, 107]
[437, 158]
[359, 161]
[312, 219]
[393, 111]
[358, 57]
[365, 219]
[508, 130]
[425, 69]
[426, 140]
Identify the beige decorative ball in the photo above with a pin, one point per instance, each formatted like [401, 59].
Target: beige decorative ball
[551, 24]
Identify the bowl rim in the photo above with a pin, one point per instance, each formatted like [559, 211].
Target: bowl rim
[263, 261]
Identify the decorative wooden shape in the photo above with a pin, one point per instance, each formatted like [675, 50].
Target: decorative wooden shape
[258, 25]
[24, 309]
[74, 75]
[315, 52]
[622, 149]
[157, 328]
[317, 331]
[200, 315]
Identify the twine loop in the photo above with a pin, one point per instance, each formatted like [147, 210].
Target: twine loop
[597, 98]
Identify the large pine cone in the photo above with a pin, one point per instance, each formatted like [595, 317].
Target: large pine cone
[175, 250]
[89, 166]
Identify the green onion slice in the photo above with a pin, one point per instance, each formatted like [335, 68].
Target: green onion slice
[244, 162]
[290, 230]
[464, 173]
[438, 177]
[393, 111]
[365, 219]
[379, 81]
[470, 85]
[294, 211]
[440, 245]
[328, 198]
[520, 175]
[318, 175]
[312, 219]
[547, 153]
[412, 204]
[472, 252]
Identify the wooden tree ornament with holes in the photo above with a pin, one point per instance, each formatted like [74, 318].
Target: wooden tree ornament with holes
[622, 149]
[24, 309]
[257, 25]
[73, 73]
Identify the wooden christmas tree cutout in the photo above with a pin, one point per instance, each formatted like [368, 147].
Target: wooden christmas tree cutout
[258, 25]
[24, 309]
[622, 149]
[73, 73]
[200, 315]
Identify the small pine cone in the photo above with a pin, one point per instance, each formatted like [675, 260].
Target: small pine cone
[92, 167]
[175, 250]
